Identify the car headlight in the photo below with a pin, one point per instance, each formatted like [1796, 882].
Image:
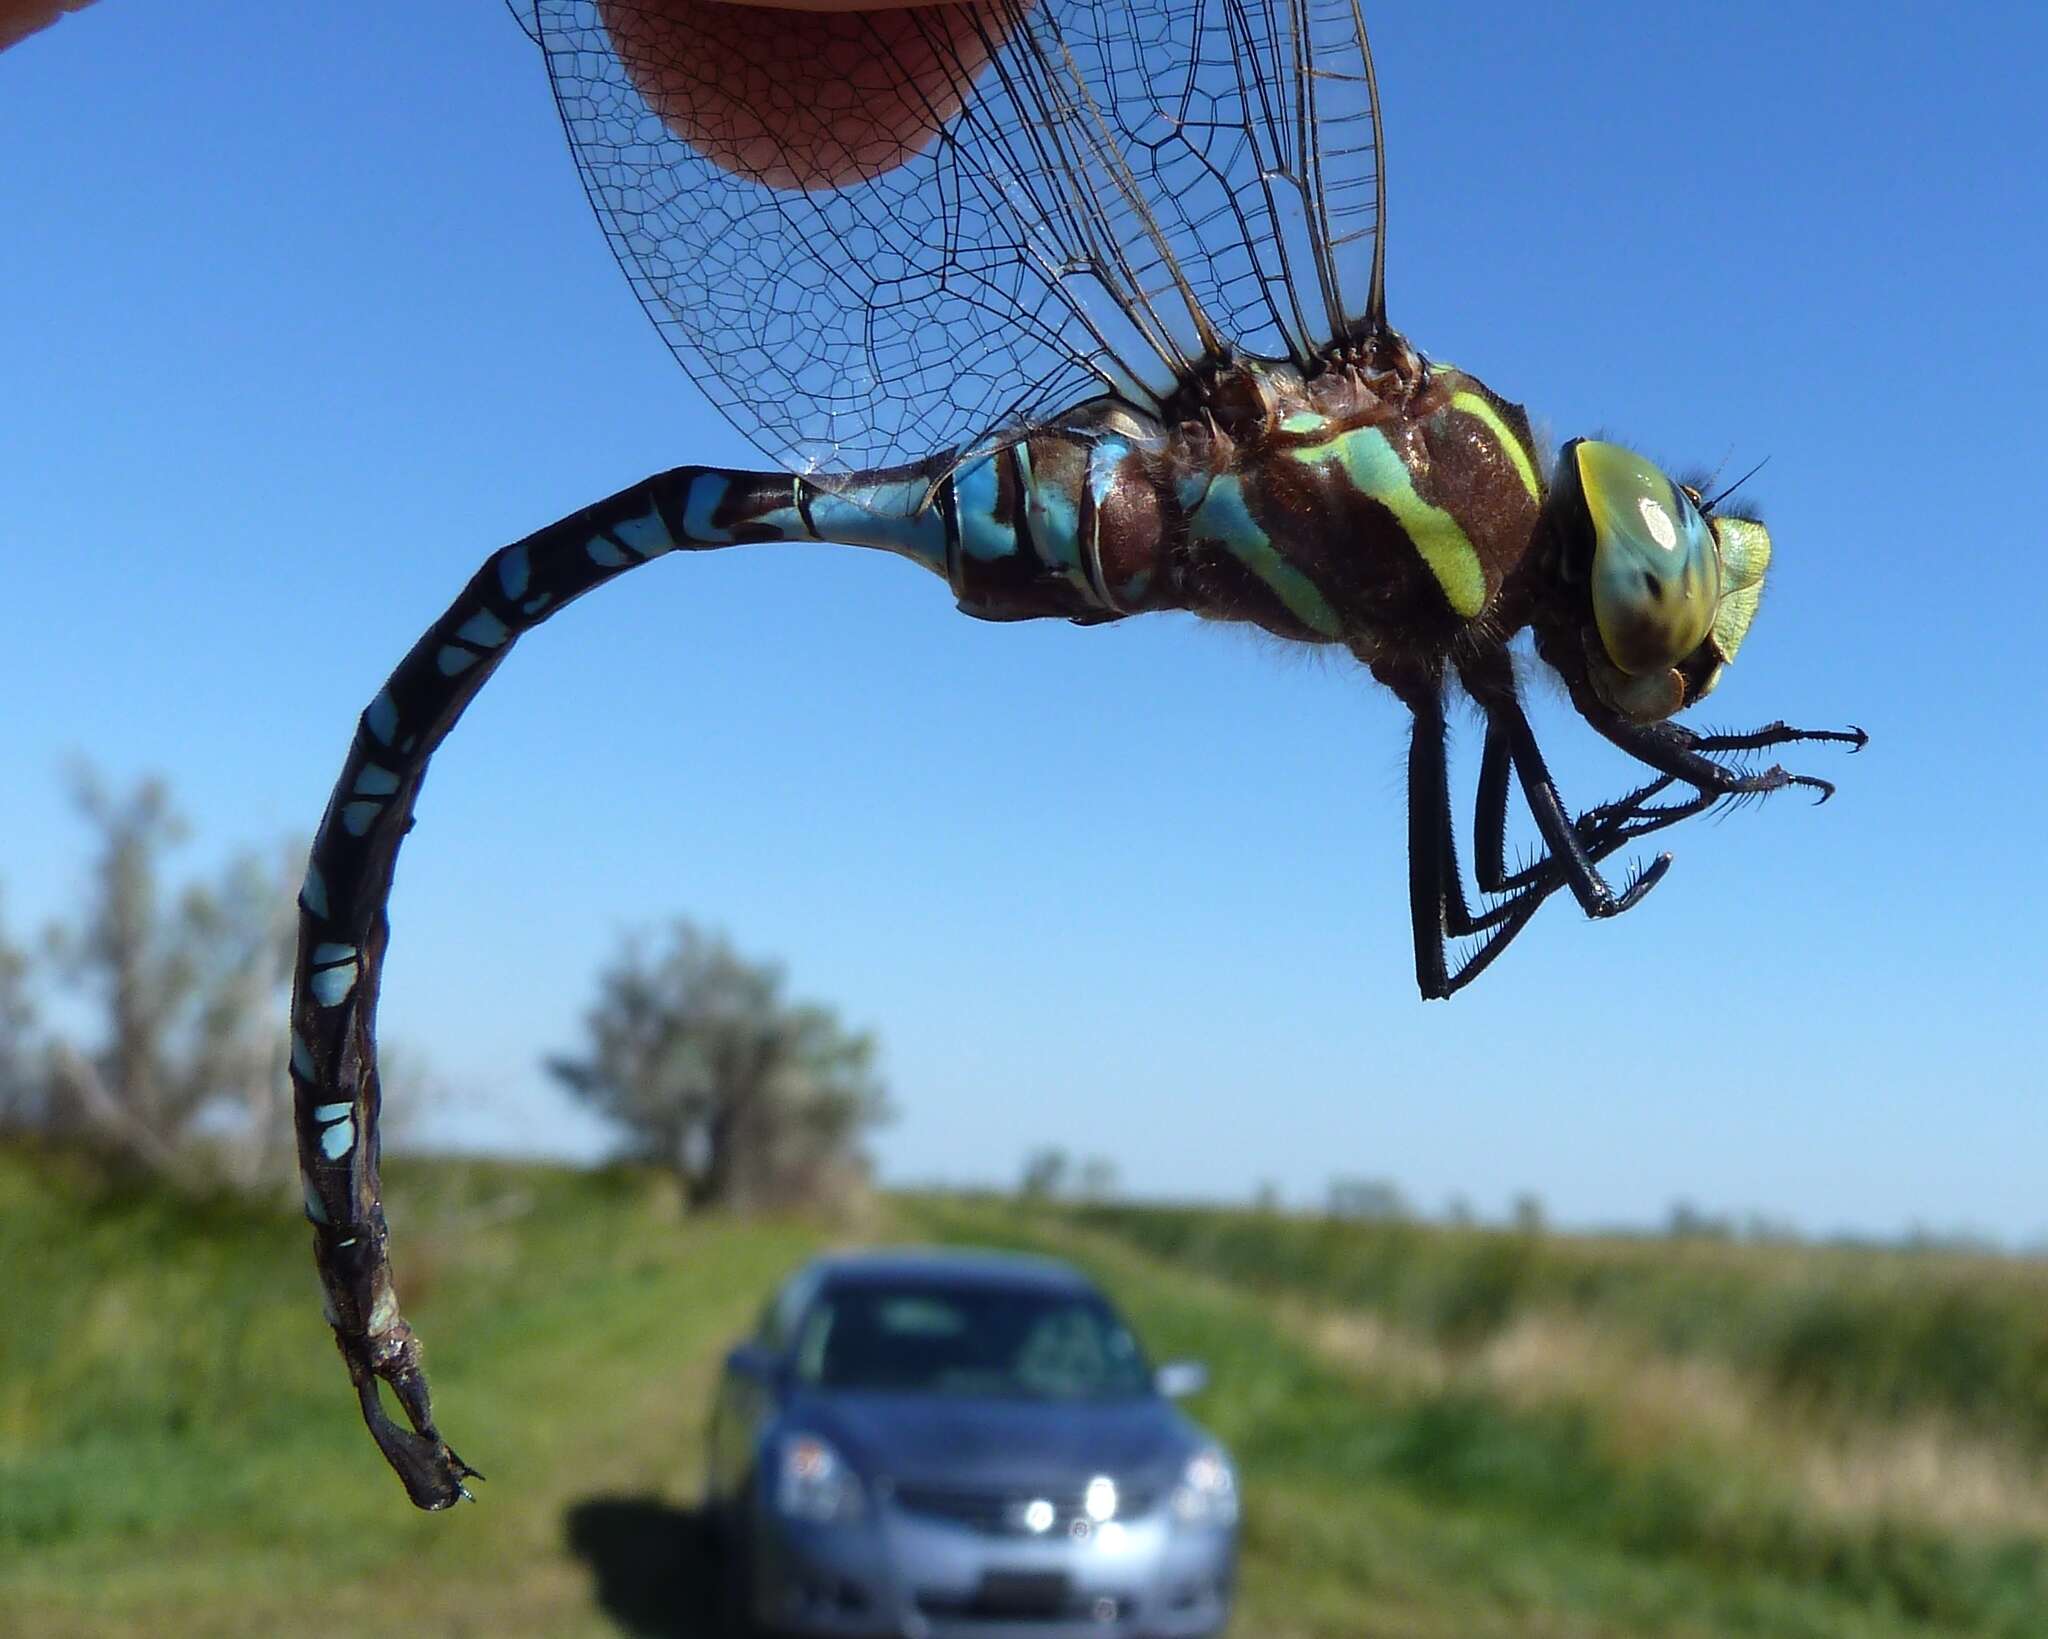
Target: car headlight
[813, 1482]
[1207, 1492]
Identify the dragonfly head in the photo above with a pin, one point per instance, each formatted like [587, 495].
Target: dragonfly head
[1660, 589]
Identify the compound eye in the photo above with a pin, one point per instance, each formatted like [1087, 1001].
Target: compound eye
[1656, 574]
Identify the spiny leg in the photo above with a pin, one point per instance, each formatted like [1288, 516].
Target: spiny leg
[1600, 831]
[1490, 819]
[1682, 754]
[1605, 829]
[1596, 824]
[1634, 816]
[1437, 905]
[1773, 734]
[1495, 692]
[1490, 816]
[1436, 894]
[1428, 777]
[1432, 860]
[1429, 783]
[1490, 822]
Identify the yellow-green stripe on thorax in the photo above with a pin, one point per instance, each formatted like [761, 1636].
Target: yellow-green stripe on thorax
[1482, 411]
[1218, 514]
[1375, 468]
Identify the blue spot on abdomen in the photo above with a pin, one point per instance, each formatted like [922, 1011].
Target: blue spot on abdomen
[707, 495]
[382, 717]
[484, 629]
[514, 568]
[976, 491]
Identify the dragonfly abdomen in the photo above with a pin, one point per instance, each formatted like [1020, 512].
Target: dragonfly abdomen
[1059, 523]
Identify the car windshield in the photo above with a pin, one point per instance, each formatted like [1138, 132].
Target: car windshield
[1001, 1342]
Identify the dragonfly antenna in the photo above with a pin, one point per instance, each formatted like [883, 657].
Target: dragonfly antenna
[1732, 488]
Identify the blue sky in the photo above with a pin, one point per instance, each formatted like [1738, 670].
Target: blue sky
[305, 315]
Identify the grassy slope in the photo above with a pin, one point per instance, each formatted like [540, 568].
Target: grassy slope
[179, 1451]
[1844, 1333]
[1464, 1491]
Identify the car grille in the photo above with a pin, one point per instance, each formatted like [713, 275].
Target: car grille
[1027, 1597]
[1006, 1513]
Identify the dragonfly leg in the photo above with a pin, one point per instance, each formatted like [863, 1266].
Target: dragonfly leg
[1630, 818]
[1432, 862]
[1775, 734]
[1437, 904]
[1609, 826]
[1490, 819]
[1604, 829]
[1436, 892]
[1569, 852]
[1595, 825]
[1682, 754]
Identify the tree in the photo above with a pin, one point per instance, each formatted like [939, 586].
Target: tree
[180, 1065]
[1045, 1174]
[23, 1083]
[1051, 1174]
[1370, 1200]
[190, 987]
[751, 1098]
[1686, 1222]
[1098, 1179]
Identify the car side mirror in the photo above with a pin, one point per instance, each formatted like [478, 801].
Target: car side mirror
[754, 1363]
[1178, 1379]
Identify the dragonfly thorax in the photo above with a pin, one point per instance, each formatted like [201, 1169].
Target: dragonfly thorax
[1386, 509]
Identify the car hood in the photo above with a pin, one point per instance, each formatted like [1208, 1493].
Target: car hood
[930, 1440]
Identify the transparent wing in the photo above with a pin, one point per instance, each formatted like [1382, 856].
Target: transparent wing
[873, 236]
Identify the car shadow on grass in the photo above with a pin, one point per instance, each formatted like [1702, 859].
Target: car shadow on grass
[657, 1574]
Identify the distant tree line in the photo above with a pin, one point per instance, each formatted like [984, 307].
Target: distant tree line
[171, 1055]
[1051, 1174]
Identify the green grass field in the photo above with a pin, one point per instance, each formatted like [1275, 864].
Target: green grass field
[1444, 1434]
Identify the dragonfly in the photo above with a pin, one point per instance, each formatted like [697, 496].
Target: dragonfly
[1081, 306]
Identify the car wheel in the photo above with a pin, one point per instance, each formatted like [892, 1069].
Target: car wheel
[733, 1620]
[735, 1570]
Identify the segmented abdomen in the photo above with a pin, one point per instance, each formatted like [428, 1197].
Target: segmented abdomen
[1056, 524]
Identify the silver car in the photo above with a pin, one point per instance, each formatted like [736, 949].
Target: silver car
[942, 1445]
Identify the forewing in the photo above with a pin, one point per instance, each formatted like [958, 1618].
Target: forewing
[874, 236]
